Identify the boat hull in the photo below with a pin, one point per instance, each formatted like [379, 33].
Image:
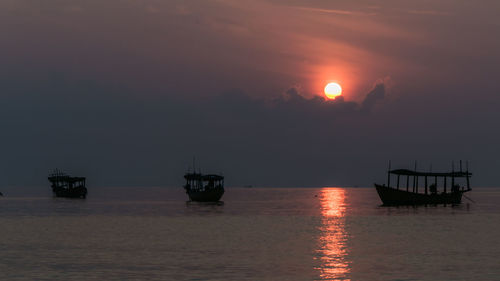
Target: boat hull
[209, 195]
[79, 192]
[394, 197]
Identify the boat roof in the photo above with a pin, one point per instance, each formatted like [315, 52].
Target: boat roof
[213, 177]
[406, 172]
[199, 176]
[65, 178]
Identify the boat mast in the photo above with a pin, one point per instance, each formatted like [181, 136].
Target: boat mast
[407, 181]
[452, 175]
[445, 183]
[467, 168]
[415, 179]
[389, 175]
[426, 185]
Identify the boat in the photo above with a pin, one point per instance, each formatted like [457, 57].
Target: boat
[204, 188]
[434, 191]
[64, 185]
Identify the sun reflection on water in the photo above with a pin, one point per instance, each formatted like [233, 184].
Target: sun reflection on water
[332, 247]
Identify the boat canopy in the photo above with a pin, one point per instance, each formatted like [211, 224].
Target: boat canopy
[198, 176]
[63, 177]
[406, 172]
[212, 177]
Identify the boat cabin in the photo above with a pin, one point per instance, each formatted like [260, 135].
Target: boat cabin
[62, 180]
[433, 183]
[197, 181]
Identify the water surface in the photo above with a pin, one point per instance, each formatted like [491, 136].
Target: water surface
[257, 234]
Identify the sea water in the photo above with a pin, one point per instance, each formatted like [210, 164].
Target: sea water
[256, 234]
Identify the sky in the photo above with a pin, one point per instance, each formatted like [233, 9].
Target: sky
[127, 92]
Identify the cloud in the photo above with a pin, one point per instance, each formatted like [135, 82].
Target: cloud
[428, 12]
[329, 11]
[376, 94]
[320, 106]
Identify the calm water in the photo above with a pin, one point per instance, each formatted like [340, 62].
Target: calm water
[257, 234]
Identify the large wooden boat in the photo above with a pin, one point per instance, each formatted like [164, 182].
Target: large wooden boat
[429, 193]
[204, 188]
[64, 185]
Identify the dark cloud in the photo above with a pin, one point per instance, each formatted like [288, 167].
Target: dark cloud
[373, 97]
[116, 138]
[322, 107]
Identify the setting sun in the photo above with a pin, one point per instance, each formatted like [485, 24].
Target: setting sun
[333, 90]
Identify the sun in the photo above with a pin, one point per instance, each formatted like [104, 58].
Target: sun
[333, 90]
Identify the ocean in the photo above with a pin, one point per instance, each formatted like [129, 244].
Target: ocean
[255, 234]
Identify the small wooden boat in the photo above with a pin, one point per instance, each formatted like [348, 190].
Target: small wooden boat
[411, 194]
[204, 188]
[64, 185]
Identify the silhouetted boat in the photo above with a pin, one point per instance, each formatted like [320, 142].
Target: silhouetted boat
[410, 195]
[204, 188]
[64, 185]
